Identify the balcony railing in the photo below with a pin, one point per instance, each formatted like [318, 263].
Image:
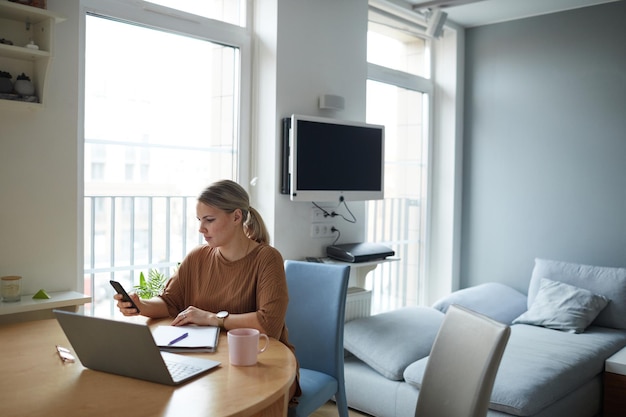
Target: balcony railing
[127, 235]
[397, 223]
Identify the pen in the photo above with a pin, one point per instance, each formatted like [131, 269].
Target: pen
[178, 339]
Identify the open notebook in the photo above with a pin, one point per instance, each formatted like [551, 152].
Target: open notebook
[127, 349]
[198, 339]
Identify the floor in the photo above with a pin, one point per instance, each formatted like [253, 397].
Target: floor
[330, 410]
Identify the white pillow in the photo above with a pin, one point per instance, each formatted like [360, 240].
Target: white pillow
[492, 299]
[562, 306]
[607, 281]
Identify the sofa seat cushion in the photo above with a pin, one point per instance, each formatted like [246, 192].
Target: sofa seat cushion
[389, 342]
[492, 299]
[541, 366]
[607, 281]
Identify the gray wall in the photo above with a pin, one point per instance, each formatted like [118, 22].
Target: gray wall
[545, 144]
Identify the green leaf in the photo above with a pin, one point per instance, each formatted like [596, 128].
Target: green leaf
[152, 286]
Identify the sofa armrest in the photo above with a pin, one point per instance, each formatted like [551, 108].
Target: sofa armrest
[495, 300]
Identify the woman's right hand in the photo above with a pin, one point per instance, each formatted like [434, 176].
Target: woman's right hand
[125, 307]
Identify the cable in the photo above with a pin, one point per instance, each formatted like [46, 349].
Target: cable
[324, 211]
[333, 214]
[334, 229]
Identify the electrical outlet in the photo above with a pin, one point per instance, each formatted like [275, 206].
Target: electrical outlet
[322, 230]
[317, 216]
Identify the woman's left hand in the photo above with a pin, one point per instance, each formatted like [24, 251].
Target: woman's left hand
[192, 315]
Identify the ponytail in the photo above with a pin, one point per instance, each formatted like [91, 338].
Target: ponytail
[255, 227]
[229, 196]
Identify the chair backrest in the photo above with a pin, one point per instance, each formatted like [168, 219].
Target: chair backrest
[315, 315]
[462, 366]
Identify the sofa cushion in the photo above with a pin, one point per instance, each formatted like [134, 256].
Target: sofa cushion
[607, 281]
[561, 306]
[541, 366]
[495, 300]
[389, 342]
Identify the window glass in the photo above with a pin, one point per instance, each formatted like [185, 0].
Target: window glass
[396, 45]
[398, 220]
[161, 113]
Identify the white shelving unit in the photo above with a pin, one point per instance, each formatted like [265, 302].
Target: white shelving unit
[28, 308]
[21, 24]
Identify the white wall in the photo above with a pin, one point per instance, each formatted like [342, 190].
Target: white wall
[306, 49]
[545, 144]
[39, 185]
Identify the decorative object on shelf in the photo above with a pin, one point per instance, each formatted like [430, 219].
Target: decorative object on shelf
[23, 21]
[41, 295]
[6, 85]
[35, 3]
[32, 45]
[24, 86]
[11, 288]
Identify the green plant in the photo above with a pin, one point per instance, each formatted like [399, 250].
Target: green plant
[152, 286]
[23, 76]
[4, 74]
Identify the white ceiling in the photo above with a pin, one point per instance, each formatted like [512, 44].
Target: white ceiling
[470, 13]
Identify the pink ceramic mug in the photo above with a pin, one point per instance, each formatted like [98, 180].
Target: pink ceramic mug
[243, 346]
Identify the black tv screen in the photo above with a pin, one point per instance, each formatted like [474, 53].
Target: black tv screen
[333, 160]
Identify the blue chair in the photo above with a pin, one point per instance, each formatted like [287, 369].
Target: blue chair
[315, 320]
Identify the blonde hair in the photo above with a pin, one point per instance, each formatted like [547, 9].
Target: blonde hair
[229, 196]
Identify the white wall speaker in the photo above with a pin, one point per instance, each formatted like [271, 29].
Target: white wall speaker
[435, 23]
[331, 102]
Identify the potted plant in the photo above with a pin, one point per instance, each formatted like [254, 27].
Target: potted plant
[6, 86]
[152, 286]
[24, 86]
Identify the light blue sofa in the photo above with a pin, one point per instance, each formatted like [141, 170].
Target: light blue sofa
[572, 320]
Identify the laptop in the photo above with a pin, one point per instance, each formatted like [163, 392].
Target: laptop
[127, 349]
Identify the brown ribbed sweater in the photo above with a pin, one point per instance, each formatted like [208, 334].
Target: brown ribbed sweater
[255, 282]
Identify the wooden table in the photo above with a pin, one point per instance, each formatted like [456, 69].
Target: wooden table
[35, 382]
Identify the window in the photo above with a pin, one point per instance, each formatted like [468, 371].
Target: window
[398, 97]
[162, 119]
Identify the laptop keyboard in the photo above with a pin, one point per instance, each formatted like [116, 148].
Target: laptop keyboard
[180, 371]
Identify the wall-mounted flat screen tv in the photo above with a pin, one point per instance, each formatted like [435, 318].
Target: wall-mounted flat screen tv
[332, 160]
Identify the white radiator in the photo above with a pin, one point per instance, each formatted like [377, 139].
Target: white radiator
[358, 303]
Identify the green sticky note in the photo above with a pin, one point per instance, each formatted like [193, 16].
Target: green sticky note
[41, 295]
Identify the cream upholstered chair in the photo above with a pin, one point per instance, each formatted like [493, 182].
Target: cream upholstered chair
[462, 365]
[315, 319]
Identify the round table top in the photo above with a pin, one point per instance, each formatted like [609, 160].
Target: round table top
[35, 381]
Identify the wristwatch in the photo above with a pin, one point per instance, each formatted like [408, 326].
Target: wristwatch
[220, 317]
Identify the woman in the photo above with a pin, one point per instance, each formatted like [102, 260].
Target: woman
[236, 280]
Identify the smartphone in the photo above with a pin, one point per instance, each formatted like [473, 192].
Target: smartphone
[125, 297]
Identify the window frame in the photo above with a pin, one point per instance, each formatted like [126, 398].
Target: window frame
[173, 21]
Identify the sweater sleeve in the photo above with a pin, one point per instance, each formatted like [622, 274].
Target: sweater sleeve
[272, 294]
[176, 291]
